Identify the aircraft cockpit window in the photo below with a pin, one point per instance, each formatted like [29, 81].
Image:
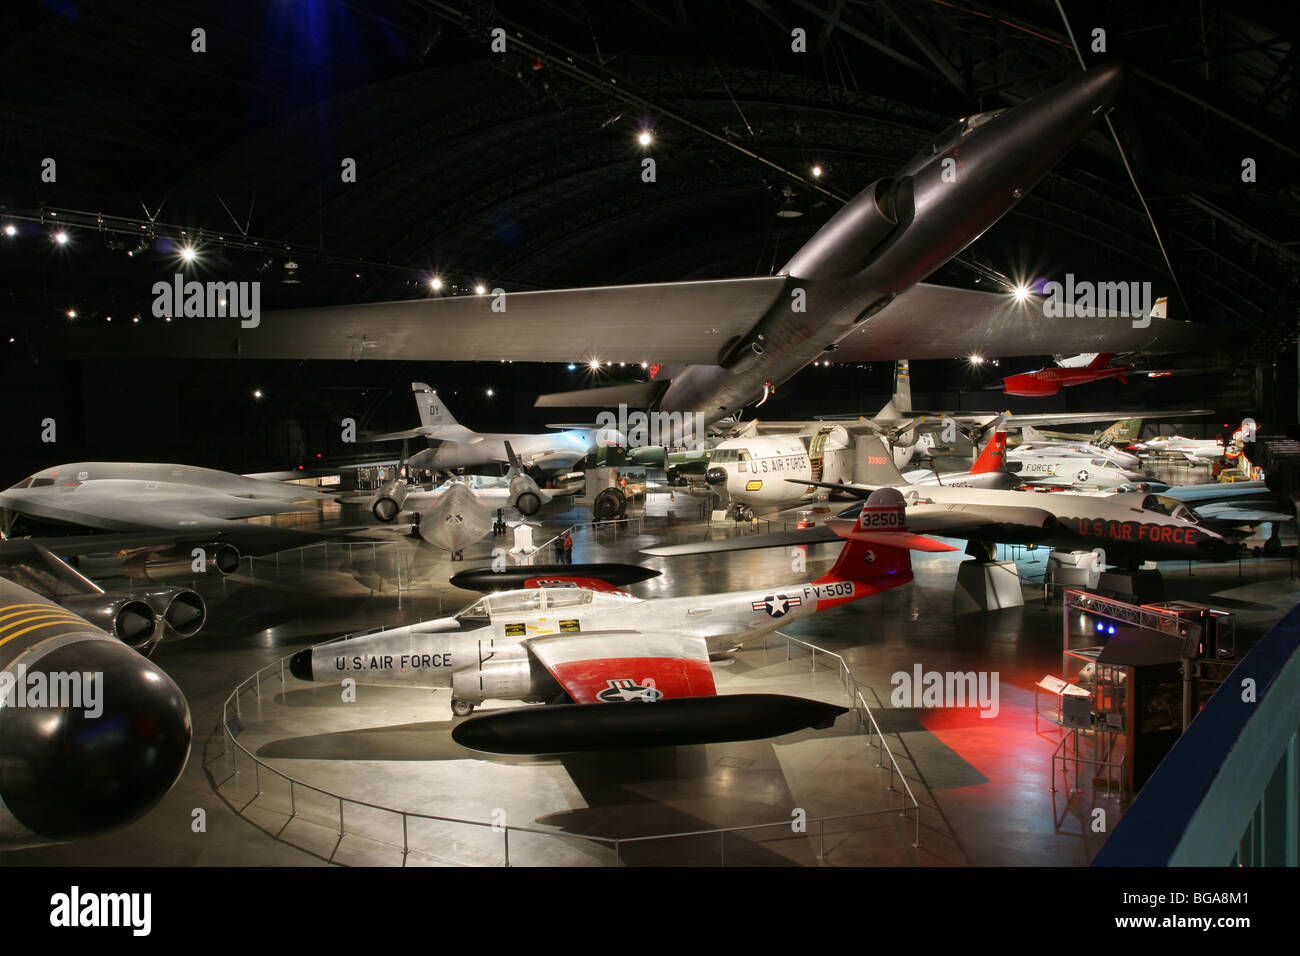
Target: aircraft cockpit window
[1184, 513]
[475, 612]
[516, 602]
[567, 597]
[1161, 504]
[722, 456]
[978, 120]
[41, 482]
[20, 485]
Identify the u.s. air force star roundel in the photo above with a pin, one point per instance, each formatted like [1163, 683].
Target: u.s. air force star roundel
[777, 605]
[1082, 476]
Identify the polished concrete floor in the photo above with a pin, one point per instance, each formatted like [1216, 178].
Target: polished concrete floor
[984, 784]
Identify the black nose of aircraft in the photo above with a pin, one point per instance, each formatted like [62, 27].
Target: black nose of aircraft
[716, 476]
[75, 771]
[300, 665]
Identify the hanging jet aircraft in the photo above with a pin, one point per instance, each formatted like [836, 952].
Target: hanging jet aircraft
[572, 637]
[92, 734]
[721, 345]
[453, 446]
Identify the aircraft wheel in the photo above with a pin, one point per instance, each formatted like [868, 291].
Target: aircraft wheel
[609, 505]
[461, 708]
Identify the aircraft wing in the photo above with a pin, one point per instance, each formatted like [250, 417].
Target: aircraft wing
[607, 666]
[933, 421]
[686, 323]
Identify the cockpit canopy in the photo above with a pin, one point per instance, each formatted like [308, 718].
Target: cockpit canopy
[1163, 504]
[33, 481]
[526, 601]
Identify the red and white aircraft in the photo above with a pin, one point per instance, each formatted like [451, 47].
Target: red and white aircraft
[572, 638]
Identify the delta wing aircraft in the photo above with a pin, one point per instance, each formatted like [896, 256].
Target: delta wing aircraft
[722, 345]
[92, 734]
[569, 637]
[452, 445]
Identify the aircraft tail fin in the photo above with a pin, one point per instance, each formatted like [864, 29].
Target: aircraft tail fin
[877, 547]
[1121, 433]
[873, 463]
[994, 455]
[1160, 309]
[1101, 360]
[900, 403]
[433, 413]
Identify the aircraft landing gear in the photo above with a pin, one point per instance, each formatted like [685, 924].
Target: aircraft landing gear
[461, 708]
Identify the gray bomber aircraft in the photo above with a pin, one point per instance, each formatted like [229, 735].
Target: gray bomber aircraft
[161, 511]
[718, 346]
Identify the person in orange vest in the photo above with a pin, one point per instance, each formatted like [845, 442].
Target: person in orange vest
[567, 545]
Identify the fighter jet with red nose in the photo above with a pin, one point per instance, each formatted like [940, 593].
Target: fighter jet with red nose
[597, 652]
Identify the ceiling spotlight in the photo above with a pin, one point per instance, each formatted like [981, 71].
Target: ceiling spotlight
[257, 393]
[645, 364]
[645, 137]
[479, 289]
[1021, 292]
[108, 318]
[789, 208]
[11, 229]
[572, 366]
[817, 172]
[594, 365]
[133, 319]
[72, 313]
[435, 283]
[61, 237]
[490, 393]
[188, 253]
[976, 359]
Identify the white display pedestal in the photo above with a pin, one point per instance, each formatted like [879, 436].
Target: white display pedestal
[987, 586]
[1073, 569]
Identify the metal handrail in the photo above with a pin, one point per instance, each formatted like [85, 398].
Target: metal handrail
[614, 843]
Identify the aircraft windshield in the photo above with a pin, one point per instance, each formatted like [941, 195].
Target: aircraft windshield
[723, 455]
[33, 481]
[978, 120]
[475, 612]
[1162, 504]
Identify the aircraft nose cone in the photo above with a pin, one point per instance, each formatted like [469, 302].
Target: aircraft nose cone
[75, 771]
[300, 665]
[716, 476]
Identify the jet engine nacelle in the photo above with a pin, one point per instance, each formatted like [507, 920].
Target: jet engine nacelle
[525, 496]
[389, 500]
[517, 678]
[129, 618]
[181, 609]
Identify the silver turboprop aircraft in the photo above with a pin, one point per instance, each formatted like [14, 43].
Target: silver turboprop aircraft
[717, 346]
[567, 636]
[165, 511]
[452, 445]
